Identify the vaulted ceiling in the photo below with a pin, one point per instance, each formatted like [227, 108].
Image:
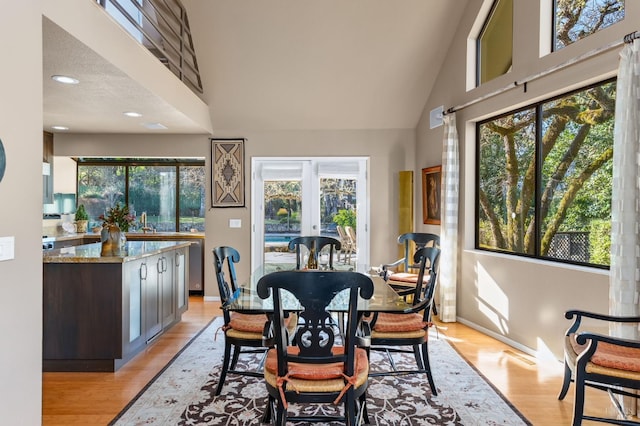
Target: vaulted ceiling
[276, 64]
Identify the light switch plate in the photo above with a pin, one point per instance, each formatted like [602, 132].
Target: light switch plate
[235, 223]
[7, 245]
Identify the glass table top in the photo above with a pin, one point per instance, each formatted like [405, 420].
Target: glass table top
[384, 298]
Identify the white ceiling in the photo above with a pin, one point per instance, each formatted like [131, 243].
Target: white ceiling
[272, 64]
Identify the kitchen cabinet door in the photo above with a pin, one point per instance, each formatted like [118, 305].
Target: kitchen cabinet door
[168, 286]
[180, 278]
[153, 298]
[133, 287]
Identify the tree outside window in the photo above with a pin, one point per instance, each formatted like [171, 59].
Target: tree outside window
[577, 19]
[170, 192]
[545, 178]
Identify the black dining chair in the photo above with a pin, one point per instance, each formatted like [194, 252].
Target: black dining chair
[394, 332]
[241, 330]
[602, 362]
[314, 244]
[320, 367]
[402, 274]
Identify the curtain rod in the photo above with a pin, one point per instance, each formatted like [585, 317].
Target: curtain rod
[627, 39]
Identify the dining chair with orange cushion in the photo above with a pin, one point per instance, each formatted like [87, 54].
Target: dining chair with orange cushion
[243, 332]
[319, 366]
[600, 361]
[402, 275]
[394, 332]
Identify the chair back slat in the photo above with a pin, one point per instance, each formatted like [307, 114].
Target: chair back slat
[426, 256]
[413, 241]
[314, 245]
[225, 258]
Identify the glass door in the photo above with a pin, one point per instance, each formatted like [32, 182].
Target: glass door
[308, 196]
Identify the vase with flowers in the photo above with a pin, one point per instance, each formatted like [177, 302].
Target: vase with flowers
[119, 216]
[115, 223]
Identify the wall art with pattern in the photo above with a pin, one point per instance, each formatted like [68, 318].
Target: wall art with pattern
[227, 172]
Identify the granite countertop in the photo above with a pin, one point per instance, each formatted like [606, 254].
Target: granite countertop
[90, 253]
[134, 236]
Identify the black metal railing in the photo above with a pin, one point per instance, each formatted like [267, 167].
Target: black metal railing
[572, 246]
[163, 28]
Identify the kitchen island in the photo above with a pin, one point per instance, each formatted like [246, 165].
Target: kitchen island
[100, 311]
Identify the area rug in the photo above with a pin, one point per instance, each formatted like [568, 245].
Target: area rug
[183, 393]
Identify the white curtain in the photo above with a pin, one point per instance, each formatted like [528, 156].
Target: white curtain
[624, 275]
[625, 203]
[449, 220]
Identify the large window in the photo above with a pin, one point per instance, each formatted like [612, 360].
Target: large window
[169, 192]
[576, 19]
[495, 42]
[545, 176]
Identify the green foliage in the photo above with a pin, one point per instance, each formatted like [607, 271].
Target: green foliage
[81, 213]
[120, 216]
[345, 218]
[600, 242]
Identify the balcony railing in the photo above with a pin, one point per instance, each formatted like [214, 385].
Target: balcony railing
[163, 28]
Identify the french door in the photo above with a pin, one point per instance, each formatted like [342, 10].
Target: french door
[307, 196]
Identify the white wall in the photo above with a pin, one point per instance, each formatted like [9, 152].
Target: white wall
[521, 300]
[64, 178]
[21, 213]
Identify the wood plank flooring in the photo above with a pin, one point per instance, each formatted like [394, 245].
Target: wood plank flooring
[96, 398]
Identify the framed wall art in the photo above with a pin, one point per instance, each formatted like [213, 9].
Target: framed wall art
[227, 172]
[431, 189]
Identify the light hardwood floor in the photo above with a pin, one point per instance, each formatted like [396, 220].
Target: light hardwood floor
[96, 398]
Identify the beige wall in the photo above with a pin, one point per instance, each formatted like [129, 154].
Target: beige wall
[21, 213]
[389, 152]
[522, 301]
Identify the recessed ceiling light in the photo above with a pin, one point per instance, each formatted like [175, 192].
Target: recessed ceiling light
[132, 114]
[155, 126]
[59, 128]
[65, 79]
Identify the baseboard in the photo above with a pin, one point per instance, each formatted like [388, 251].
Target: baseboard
[498, 337]
[212, 298]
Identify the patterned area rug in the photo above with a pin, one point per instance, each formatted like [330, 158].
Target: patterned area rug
[182, 394]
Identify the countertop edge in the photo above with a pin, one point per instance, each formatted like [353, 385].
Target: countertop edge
[67, 255]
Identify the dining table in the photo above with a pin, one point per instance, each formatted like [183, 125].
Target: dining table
[384, 299]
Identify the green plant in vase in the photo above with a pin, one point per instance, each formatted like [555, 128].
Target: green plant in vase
[82, 219]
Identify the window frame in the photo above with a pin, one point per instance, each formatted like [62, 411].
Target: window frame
[478, 43]
[129, 162]
[554, 23]
[537, 106]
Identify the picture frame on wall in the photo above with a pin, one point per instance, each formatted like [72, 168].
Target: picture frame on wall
[227, 172]
[431, 190]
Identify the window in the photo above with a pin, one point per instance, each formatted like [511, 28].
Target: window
[159, 188]
[576, 19]
[495, 42]
[544, 178]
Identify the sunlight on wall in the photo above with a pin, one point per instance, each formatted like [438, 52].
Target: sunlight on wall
[548, 363]
[492, 302]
